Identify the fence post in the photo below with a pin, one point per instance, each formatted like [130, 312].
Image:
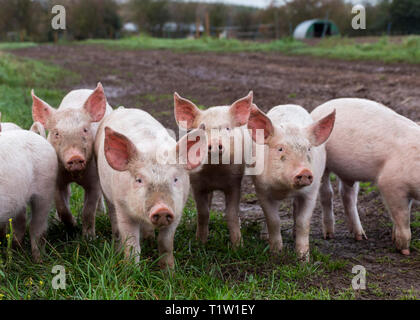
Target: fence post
[207, 20]
[197, 27]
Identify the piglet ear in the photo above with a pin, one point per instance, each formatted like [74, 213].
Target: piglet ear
[192, 148]
[41, 111]
[119, 150]
[259, 121]
[38, 128]
[240, 110]
[185, 111]
[95, 105]
[320, 131]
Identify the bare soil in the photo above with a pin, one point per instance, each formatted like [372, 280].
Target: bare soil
[147, 80]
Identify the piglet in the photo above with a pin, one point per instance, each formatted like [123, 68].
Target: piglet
[20, 220]
[372, 143]
[225, 129]
[72, 130]
[28, 171]
[294, 161]
[143, 192]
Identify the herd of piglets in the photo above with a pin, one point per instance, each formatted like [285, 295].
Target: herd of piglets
[126, 159]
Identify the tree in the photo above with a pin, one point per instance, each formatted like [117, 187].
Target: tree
[93, 19]
[244, 19]
[218, 15]
[405, 16]
[16, 15]
[150, 14]
[183, 12]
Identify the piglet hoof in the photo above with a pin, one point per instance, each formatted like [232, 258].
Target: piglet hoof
[237, 243]
[202, 238]
[401, 239]
[264, 236]
[89, 234]
[67, 219]
[38, 260]
[403, 248]
[303, 257]
[328, 235]
[36, 257]
[276, 248]
[116, 235]
[167, 264]
[71, 231]
[16, 244]
[360, 236]
[405, 252]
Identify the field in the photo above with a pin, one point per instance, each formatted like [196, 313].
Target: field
[144, 74]
[386, 49]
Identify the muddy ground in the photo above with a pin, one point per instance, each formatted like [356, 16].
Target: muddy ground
[147, 80]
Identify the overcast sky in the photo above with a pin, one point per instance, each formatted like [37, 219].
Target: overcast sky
[262, 3]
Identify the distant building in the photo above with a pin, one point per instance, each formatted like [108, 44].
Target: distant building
[130, 27]
[181, 30]
[315, 28]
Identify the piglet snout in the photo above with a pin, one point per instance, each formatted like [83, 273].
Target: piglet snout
[161, 215]
[76, 161]
[215, 147]
[303, 178]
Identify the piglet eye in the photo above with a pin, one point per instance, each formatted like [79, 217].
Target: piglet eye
[176, 179]
[280, 149]
[227, 128]
[85, 130]
[138, 180]
[309, 149]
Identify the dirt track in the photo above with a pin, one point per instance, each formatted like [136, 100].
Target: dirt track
[147, 80]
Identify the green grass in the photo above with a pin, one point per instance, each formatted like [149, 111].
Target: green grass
[16, 45]
[202, 44]
[96, 270]
[336, 47]
[18, 77]
[416, 221]
[409, 295]
[382, 50]
[367, 188]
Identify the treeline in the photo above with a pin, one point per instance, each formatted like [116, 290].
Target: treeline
[31, 19]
